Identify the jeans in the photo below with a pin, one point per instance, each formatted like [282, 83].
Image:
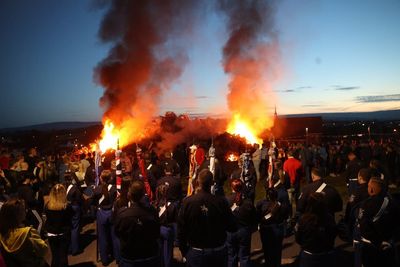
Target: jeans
[239, 244]
[271, 239]
[167, 244]
[76, 218]
[59, 250]
[106, 236]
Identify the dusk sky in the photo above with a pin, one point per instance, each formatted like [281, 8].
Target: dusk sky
[335, 56]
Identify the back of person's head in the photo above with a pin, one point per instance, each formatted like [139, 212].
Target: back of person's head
[278, 164]
[375, 164]
[316, 204]
[316, 174]
[290, 153]
[106, 176]
[205, 179]
[126, 182]
[237, 185]
[57, 198]
[271, 194]
[364, 175]
[136, 191]
[351, 155]
[12, 214]
[375, 186]
[161, 193]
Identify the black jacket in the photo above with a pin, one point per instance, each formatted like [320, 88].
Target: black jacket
[203, 221]
[138, 229]
[332, 198]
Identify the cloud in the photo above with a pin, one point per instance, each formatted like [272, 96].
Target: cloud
[293, 90]
[202, 97]
[311, 105]
[286, 91]
[347, 88]
[377, 98]
[344, 88]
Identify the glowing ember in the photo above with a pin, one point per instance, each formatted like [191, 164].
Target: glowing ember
[238, 126]
[232, 157]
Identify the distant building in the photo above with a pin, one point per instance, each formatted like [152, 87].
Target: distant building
[297, 127]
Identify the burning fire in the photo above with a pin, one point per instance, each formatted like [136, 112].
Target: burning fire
[243, 128]
[232, 157]
[109, 137]
[130, 131]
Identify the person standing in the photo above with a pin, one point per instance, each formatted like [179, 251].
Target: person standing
[239, 242]
[120, 203]
[331, 197]
[58, 225]
[104, 195]
[138, 229]
[256, 158]
[247, 174]
[203, 221]
[315, 233]
[20, 246]
[353, 166]
[264, 161]
[294, 169]
[75, 199]
[32, 159]
[378, 219]
[271, 216]
[168, 214]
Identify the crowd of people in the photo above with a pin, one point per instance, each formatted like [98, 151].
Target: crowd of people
[140, 221]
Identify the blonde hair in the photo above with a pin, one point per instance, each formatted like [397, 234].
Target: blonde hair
[57, 198]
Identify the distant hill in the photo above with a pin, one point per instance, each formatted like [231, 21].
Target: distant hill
[350, 116]
[52, 126]
[338, 116]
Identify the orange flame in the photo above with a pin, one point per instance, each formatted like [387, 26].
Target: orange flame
[246, 129]
[129, 131]
[232, 157]
[92, 147]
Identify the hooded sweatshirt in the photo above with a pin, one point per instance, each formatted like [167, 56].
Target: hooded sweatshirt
[24, 247]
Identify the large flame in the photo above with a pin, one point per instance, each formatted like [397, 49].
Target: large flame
[244, 128]
[113, 137]
[131, 130]
[109, 137]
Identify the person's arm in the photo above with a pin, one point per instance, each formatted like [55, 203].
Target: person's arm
[338, 201]
[4, 178]
[38, 243]
[24, 166]
[301, 202]
[231, 225]
[182, 235]
[14, 166]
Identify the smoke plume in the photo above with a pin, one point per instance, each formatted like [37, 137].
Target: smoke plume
[142, 62]
[250, 57]
[145, 60]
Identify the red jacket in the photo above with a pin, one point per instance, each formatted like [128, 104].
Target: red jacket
[293, 168]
